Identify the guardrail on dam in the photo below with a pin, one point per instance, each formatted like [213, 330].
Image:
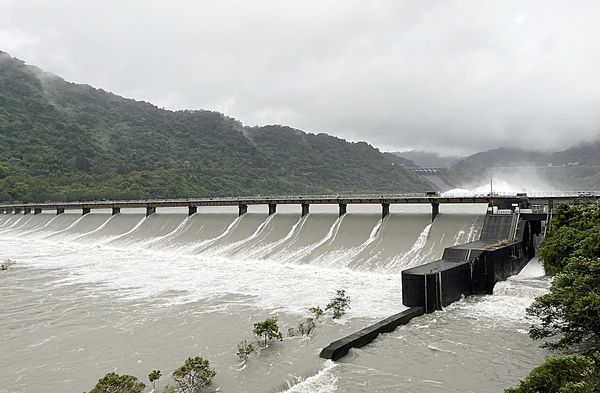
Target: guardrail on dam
[503, 201]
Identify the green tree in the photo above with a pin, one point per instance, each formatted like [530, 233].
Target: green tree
[571, 309]
[245, 348]
[153, 377]
[267, 330]
[194, 376]
[339, 304]
[115, 383]
[564, 374]
[317, 312]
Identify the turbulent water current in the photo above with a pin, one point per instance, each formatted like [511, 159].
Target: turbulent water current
[98, 293]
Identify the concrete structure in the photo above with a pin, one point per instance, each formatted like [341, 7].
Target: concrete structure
[503, 249]
[544, 203]
[340, 348]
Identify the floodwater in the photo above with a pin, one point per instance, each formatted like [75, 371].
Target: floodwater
[99, 293]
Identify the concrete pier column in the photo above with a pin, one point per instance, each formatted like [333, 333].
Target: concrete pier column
[272, 208]
[150, 211]
[435, 210]
[27, 210]
[192, 210]
[60, 210]
[343, 208]
[86, 210]
[385, 210]
[116, 210]
[37, 210]
[305, 209]
[242, 209]
[17, 210]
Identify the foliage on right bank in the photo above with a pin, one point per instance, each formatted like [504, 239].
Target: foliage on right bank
[568, 316]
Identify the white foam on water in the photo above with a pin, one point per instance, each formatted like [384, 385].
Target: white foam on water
[122, 235]
[131, 273]
[225, 249]
[13, 224]
[262, 251]
[199, 248]
[160, 241]
[101, 227]
[40, 229]
[322, 382]
[346, 257]
[411, 257]
[328, 238]
[511, 297]
[57, 233]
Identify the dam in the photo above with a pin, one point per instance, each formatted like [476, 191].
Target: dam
[131, 292]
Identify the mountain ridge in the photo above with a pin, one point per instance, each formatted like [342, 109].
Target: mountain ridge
[66, 141]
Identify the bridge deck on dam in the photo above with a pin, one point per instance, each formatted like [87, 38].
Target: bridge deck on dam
[433, 198]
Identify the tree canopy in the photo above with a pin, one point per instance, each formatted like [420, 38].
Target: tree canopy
[65, 141]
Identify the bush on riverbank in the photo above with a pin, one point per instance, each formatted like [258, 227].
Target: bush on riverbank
[570, 311]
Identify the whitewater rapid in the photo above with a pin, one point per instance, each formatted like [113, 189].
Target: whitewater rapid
[95, 293]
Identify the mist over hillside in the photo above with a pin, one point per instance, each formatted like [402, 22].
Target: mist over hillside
[576, 168]
[67, 141]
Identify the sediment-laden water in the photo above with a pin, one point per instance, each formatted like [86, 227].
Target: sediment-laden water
[126, 293]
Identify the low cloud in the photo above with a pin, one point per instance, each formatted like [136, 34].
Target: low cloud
[449, 76]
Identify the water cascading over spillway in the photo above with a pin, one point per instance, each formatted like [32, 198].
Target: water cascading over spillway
[215, 272]
[358, 241]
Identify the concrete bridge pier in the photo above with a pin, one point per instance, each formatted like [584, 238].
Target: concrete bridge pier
[242, 209]
[385, 210]
[116, 210]
[435, 210]
[305, 209]
[192, 210]
[60, 210]
[343, 208]
[37, 210]
[27, 210]
[272, 208]
[150, 211]
[17, 210]
[86, 210]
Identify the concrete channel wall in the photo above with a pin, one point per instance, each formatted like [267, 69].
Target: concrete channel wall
[466, 269]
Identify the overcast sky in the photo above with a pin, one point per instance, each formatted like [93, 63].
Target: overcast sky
[449, 76]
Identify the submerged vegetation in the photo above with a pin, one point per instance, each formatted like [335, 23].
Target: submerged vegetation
[339, 304]
[568, 316]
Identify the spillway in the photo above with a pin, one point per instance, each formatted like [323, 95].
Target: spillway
[90, 294]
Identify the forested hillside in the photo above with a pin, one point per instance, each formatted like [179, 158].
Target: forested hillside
[577, 168]
[66, 141]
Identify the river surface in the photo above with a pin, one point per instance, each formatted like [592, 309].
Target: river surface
[99, 293]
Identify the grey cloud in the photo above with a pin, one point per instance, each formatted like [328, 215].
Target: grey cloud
[451, 76]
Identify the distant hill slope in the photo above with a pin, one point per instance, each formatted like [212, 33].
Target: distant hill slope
[427, 159]
[576, 168]
[66, 141]
[400, 161]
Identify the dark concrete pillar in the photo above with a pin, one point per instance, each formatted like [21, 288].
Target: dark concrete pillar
[116, 210]
[27, 210]
[305, 209]
[435, 210]
[150, 211]
[343, 208]
[272, 208]
[385, 210]
[242, 209]
[60, 210]
[17, 210]
[192, 210]
[37, 210]
[86, 210]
